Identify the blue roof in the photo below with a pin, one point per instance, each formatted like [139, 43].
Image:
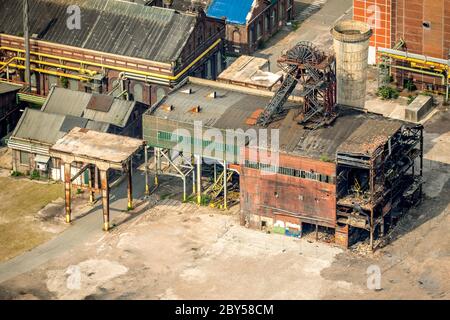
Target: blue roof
[235, 11]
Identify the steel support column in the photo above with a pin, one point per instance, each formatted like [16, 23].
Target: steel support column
[147, 188]
[225, 182]
[105, 198]
[91, 183]
[130, 184]
[193, 177]
[156, 155]
[199, 179]
[68, 186]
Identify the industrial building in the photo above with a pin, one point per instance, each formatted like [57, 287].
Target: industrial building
[64, 109]
[335, 166]
[119, 47]
[411, 39]
[356, 174]
[250, 22]
[9, 107]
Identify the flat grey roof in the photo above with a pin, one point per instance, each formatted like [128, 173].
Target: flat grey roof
[90, 144]
[234, 106]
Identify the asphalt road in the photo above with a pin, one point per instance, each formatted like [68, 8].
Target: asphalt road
[315, 26]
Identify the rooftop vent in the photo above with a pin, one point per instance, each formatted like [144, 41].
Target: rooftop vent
[167, 107]
[212, 95]
[196, 109]
[188, 91]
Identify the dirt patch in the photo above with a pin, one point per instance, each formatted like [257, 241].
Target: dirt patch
[5, 158]
[81, 280]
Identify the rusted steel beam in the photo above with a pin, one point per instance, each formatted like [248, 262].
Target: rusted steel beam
[67, 189]
[105, 198]
[83, 169]
[91, 183]
[147, 188]
[130, 185]
[199, 179]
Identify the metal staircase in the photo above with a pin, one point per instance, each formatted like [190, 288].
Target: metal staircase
[217, 187]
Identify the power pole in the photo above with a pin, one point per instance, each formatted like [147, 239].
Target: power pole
[26, 36]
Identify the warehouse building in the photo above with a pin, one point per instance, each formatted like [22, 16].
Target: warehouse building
[64, 109]
[118, 47]
[355, 176]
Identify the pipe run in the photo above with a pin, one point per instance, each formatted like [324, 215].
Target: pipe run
[150, 75]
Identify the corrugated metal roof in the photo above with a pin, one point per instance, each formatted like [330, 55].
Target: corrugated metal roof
[48, 127]
[235, 11]
[111, 26]
[31, 126]
[75, 103]
[7, 87]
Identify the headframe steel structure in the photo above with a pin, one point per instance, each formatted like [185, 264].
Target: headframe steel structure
[315, 72]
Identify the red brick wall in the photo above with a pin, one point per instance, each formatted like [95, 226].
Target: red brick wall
[393, 20]
[411, 14]
[378, 13]
[270, 195]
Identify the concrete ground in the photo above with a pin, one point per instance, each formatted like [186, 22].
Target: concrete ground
[394, 108]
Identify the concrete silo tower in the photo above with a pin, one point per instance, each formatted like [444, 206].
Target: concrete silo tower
[351, 45]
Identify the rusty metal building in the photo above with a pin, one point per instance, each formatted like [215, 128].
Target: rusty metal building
[357, 174]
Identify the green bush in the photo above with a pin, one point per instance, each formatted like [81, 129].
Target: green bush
[16, 174]
[64, 82]
[325, 158]
[35, 175]
[411, 98]
[387, 93]
[410, 86]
